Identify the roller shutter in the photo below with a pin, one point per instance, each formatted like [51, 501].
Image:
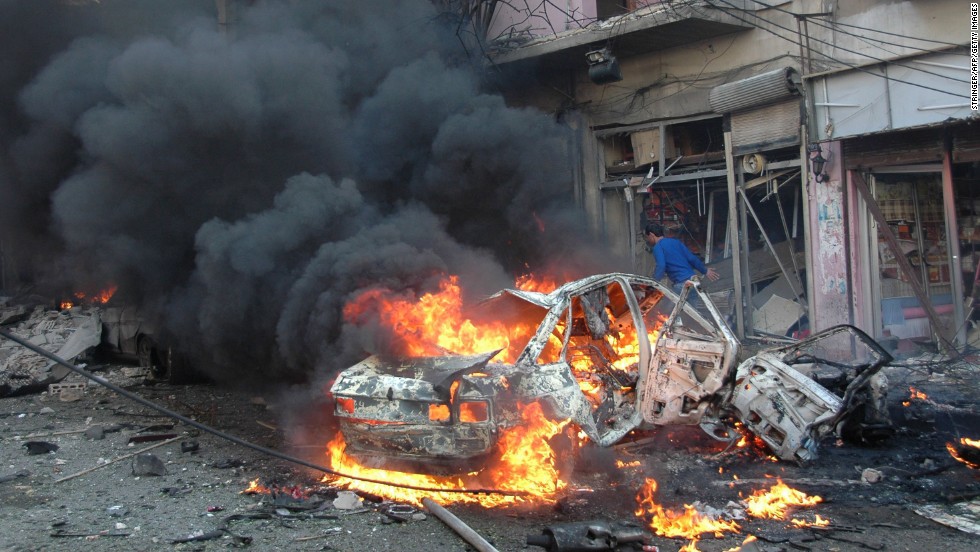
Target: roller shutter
[765, 128]
[765, 110]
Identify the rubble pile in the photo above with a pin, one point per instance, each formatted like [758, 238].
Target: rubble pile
[66, 333]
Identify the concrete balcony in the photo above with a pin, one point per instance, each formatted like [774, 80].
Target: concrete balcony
[647, 30]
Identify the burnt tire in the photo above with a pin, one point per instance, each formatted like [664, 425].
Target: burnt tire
[163, 364]
[176, 369]
[148, 356]
[146, 353]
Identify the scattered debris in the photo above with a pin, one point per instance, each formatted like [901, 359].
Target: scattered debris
[148, 464]
[964, 516]
[454, 523]
[871, 475]
[95, 433]
[60, 533]
[16, 475]
[347, 500]
[797, 481]
[176, 491]
[67, 333]
[201, 536]
[223, 529]
[151, 438]
[588, 535]
[328, 532]
[40, 447]
[399, 512]
[113, 461]
[67, 392]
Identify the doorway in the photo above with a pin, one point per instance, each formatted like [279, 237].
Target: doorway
[911, 200]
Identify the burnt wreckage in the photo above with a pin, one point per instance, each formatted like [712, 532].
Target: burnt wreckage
[615, 353]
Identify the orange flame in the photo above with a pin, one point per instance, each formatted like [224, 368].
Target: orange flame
[748, 540]
[972, 443]
[752, 443]
[772, 504]
[254, 487]
[669, 523]
[817, 522]
[690, 547]
[525, 465]
[434, 324]
[915, 394]
[295, 491]
[98, 298]
[530, 282]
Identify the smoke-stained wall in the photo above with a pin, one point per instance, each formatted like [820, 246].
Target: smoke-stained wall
[246, 184]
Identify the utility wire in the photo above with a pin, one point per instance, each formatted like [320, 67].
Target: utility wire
[835, 23]
[874, 41]
[832, 45]
[232, 438]
[852, 66]
[877, 43]
[839, 24]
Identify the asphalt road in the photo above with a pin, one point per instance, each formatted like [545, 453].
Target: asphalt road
[86, 495]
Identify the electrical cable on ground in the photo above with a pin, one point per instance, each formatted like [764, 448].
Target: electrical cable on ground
[232, 438]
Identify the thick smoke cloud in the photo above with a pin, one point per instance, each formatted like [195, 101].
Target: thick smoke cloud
[245, 184]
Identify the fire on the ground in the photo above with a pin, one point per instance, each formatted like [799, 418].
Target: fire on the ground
[613, 353]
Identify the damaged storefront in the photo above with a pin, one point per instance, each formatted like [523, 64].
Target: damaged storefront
[895, 207]
[730, 185]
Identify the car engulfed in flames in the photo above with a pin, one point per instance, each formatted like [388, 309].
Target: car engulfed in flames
[613, 353]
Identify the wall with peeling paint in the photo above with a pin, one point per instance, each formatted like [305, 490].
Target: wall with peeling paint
[830, 254]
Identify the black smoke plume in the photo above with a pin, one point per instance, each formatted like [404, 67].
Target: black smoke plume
[245, 182]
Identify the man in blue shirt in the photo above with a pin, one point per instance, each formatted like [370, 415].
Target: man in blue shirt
[674, 258]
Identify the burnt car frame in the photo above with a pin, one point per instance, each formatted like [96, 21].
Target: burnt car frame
[614, 353]
[129, 332]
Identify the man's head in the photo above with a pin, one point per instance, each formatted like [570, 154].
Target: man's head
[653, 232]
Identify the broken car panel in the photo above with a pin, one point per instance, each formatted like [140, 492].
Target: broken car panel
[614, 353]
[830, 383]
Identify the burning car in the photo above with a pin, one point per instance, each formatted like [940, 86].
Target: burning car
[613, 353]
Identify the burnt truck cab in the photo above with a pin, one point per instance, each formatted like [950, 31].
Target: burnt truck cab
[613, 353]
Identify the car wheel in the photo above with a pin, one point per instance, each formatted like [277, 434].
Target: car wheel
[177, 368]
[144, 352]
[148, 356]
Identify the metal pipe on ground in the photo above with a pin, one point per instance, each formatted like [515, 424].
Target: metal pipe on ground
[454, 523]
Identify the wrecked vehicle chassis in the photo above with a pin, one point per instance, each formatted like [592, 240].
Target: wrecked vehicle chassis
[614, 353]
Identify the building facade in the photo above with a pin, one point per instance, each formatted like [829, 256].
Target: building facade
[709, 116]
